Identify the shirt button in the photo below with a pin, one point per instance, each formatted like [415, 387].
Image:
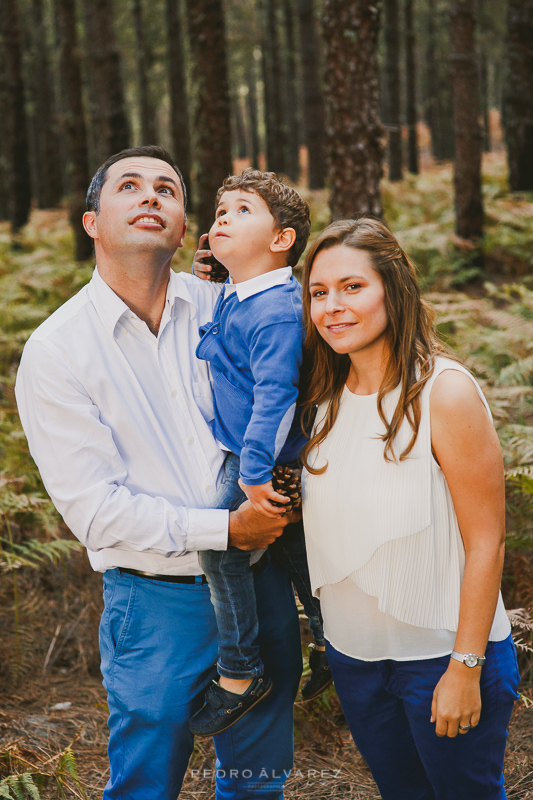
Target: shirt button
[215, 330]
[190, 440]
[174, 392]
[124, 332]
[208, 487]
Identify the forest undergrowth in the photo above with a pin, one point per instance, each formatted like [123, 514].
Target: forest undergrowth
[52, 709]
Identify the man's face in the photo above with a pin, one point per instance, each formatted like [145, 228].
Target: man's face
[141, 208]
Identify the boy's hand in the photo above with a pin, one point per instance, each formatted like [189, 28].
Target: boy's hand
[200, 269]
[260, 497]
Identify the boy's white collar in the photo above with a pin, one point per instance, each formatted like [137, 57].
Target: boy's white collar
[277, 277]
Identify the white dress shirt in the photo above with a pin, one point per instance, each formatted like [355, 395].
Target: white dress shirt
[119, 422]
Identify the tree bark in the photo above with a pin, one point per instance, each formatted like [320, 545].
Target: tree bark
[468, 139]
[354, 131]
[313, 100]
[251, 99]
[109, 121]
[519, 95]
[212, 121]
[17, 150]
[439, 104]
[291, 95]
[392, 40]
[484, 93]
[410, 89]
[73, 118]
[274, 125]
[144, 62]
[48, 178]
[4, 150]
[179, 113]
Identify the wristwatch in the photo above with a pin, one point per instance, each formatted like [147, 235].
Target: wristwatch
[469, 659]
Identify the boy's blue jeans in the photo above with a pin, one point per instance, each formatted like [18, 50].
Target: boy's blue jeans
[232, 587]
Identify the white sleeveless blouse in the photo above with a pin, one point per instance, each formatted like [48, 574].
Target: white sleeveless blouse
[384, 547]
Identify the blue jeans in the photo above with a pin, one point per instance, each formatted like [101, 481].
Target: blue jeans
[387, 705]
[158, 643]
[232, 587]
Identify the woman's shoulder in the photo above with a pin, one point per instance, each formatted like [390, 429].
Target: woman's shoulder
[454, 389]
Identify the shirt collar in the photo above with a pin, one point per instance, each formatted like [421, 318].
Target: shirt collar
[277, 277]
[110, 308]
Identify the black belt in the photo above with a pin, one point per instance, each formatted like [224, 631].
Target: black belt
[256, 568]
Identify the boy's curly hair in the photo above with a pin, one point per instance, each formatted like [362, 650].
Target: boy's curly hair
[284, 203]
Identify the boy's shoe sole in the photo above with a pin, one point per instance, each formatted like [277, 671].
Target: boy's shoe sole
[211, 719]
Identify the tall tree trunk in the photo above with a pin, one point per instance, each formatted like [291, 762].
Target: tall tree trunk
[439, 104]
[212, 122]
[49, 184]
[354, 131]
[17, 150]
[467, 166]
[392, 41]
[4, 128]
[313, 100]
[251, 98]
[73, 121]
[238, 127]
[484, 93]
[109, 120]
[519, 94]
[274, 125]
[144, 63]
[410, 89]
[179, 113]
[291, 94]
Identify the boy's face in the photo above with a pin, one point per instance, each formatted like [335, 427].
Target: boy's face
[244, 229]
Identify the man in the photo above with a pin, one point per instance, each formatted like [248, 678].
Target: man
[118, 414]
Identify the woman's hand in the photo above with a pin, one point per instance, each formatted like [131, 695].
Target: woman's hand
[200, 269]
[456, 700]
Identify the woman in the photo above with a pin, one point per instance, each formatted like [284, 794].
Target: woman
[404, 520]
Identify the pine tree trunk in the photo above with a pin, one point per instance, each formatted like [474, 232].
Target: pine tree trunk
[439, 105]
[468, 139]
[49, 184]
[109, 121]
[484, 92]
[179, 113]
[17, 149]
[313, 100]
[144, 62]
[519, 95]
[291, 95]
[410, 89]
[354, 131]
[274, 125]
[392, 40]
[238, 127]
[73, 121]
[212, 122]
[4, 201]
[251, 98]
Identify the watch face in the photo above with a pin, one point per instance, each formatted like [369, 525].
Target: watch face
[470, 660]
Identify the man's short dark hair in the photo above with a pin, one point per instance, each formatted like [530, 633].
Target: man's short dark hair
[146, 151]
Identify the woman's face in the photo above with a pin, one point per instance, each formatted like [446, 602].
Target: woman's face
[348, 301]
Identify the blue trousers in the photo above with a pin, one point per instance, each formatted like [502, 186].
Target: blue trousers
[232, 586]
[158, 644]
[387, 705]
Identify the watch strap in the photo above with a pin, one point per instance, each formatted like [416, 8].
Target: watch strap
[468, 659]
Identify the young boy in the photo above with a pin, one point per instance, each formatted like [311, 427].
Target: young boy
[254, 346]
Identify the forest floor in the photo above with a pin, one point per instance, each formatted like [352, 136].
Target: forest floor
[52, 702]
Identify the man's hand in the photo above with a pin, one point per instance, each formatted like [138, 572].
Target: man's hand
[249, 530]
[260, 497]
[200, 269]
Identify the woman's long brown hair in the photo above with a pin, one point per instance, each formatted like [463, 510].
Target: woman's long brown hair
[412, 339]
